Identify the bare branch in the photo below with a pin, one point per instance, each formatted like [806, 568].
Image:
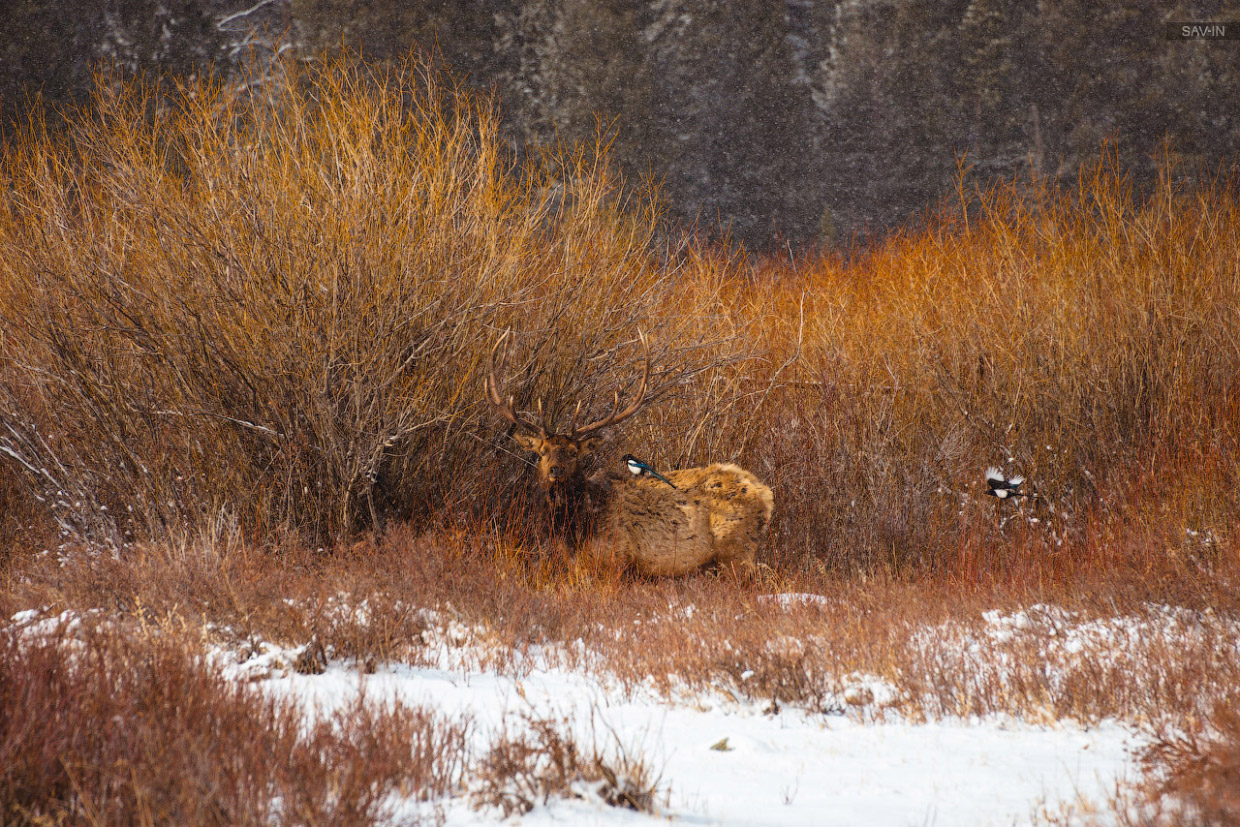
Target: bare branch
[224, 21]
[615, 418]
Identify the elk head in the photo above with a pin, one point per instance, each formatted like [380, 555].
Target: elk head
[561, 455]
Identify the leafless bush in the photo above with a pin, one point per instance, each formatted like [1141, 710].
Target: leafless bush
[275, 314]
[1193, 777]
[129, 728]
[543, 762]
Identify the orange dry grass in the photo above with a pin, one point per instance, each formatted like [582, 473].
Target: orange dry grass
[1085, 337]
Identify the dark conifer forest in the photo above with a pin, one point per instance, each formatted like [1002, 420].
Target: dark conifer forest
[799, 123]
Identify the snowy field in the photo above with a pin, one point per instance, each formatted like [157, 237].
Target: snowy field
[728, 762]
[718, 760]
[787, 768]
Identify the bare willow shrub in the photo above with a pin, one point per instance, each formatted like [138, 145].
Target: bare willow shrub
[1084, 335]
[1195, 776]
[129, 729]
[222, 309]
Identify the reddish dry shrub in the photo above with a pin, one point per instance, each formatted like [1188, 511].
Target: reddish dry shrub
[1072, 334]
[106, 728]
[221, 311]
[1194, 777]
[543, 761]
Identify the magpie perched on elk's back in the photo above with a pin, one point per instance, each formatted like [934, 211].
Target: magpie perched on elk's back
[640, 468]
[718, 514]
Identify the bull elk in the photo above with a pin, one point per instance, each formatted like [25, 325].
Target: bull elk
[715, 515]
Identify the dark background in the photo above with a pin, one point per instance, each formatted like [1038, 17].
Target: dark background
[786, 123]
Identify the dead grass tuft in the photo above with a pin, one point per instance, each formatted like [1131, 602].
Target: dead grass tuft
[543, 761]
[1193, 777]
[113, 726]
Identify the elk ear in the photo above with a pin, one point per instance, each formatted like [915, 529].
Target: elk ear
[529, 442]
[587, 446]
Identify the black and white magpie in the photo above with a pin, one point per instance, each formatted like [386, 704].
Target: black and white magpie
[1001, 486]
[639, 468]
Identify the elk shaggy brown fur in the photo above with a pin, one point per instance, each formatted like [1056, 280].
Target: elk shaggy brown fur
[718, 514]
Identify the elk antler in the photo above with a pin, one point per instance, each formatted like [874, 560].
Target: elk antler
[505, 408]
[616, 416]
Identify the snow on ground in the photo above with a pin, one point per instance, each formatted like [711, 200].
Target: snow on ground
[730, 763]
[1067, 632]
[721, 762]
[1062, 645]
[785, 769]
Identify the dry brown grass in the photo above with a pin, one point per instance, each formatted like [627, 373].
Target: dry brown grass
[1194, 776]
[144, 729]
[123, 725]
[706, 639]
[698, 636]
[540, 762]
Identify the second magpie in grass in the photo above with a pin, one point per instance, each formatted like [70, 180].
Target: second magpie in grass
[639, 468]
[1001, 486]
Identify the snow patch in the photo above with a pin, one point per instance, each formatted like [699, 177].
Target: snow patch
[790, 768]
[790, 599]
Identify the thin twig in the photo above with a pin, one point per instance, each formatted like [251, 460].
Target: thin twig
[224, 21]
[796, 355]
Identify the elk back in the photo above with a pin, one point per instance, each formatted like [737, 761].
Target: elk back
[655, 529]
[739, 506]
